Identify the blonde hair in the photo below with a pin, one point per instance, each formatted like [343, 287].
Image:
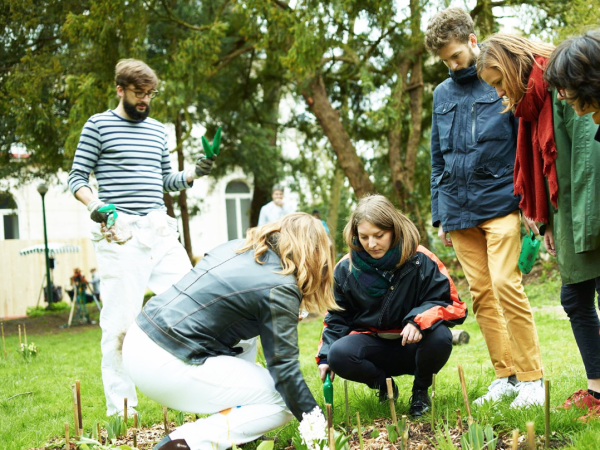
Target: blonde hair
[379, 211]
[513, 56]
[136, 72]
[302, 244]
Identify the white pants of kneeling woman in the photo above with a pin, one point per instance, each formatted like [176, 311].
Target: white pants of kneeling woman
[240, 395]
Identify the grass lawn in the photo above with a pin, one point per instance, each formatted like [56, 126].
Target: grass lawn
[31, 419]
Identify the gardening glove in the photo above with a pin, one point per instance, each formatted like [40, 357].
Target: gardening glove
[204, 165]
[119, 233]
[93, 208]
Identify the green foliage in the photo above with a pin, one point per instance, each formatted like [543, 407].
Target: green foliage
[115, 427]
[28, 351]
[52, 308]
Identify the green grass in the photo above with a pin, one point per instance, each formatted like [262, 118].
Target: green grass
[31, 420]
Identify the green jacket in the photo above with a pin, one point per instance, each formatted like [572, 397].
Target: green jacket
[576, 221]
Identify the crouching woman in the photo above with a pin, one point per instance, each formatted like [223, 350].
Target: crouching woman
[396, 302]
[193, 348]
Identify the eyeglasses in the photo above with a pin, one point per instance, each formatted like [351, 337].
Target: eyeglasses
[562, 93]
[141, 94]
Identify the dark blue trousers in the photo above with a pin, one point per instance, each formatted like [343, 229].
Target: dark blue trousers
[578, 300]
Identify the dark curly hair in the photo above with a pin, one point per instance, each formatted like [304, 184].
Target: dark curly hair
[575, 65]
[452, 24]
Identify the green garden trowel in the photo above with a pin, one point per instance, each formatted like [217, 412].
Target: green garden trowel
[111, 214]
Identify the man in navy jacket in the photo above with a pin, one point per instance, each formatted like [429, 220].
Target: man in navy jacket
[473, 150]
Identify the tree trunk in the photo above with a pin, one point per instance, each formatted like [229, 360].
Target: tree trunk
[182, 201]
[169, 204]
[329, 118]
[334, 204]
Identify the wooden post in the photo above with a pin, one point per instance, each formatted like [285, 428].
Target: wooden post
[433, 403]
[20, 342]
[67, 445]
[135, 420]
[3, 343]
[360, 439]
[330, 427]
[547, 408]
[404, 437]
[25, 334]
[530, 436]
[390, 390]
[348, 424]
[166, 420]
[98, 432]
[75, 411]
[78, 388]
[135, 438]
[459, 421]
[515, 440]
[125, 411]
[463, 386]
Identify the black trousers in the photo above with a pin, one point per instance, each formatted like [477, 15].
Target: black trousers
[370, 359]
[578, 300]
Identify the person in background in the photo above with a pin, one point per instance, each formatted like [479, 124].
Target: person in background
[476, 211]
[317, 214]
[128, 153]
[395, 303]
[95, 283]
[275, 209]
[193, 348]
[557, 153]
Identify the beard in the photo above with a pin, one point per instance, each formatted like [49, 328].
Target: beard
[472, 57]
[133, 112]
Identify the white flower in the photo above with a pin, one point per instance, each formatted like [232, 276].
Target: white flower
[313, 430]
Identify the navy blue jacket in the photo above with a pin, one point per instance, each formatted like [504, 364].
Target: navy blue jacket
[473, 150]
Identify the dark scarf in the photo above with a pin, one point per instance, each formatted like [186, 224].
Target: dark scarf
[464, 76]
[374, 275]
[536, 149]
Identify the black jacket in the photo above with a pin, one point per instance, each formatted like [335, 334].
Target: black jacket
[228, 297]
[421, 293]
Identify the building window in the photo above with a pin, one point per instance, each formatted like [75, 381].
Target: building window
[237, 202]
[9, 224]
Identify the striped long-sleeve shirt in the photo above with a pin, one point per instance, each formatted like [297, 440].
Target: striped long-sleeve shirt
[130, 161]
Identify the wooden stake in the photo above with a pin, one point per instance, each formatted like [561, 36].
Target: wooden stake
[78, 387]
[390, 390]
[348, 424]
[25, 334]
[67, 446]
[515, 440]
[459, 421]
[134, 438]
[360, 438]
[404, 438]
[20, 343]
[75, 410]
[125, 410]
[530, 435]
[433, 403]
[135, 420]
[463, 386]
[98, 432]
[547, 408]
[166, 420]
[3, 343]
[330, 427]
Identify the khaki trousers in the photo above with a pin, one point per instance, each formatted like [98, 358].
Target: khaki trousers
[488, 254]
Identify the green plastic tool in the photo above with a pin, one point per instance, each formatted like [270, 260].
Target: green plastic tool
[212, 150]
[111, 212]
[529, 252]
[328, 390]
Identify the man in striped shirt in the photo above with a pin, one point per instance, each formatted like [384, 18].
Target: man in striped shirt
[128, 153]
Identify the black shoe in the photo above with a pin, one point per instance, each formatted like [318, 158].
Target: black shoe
[419, 403]
[168, 444]
[383, 392]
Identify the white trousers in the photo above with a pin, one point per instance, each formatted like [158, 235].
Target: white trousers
[240, 394]
[155, 259]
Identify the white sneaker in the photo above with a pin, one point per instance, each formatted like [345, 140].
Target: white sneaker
[530, 393]
[499, 388]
